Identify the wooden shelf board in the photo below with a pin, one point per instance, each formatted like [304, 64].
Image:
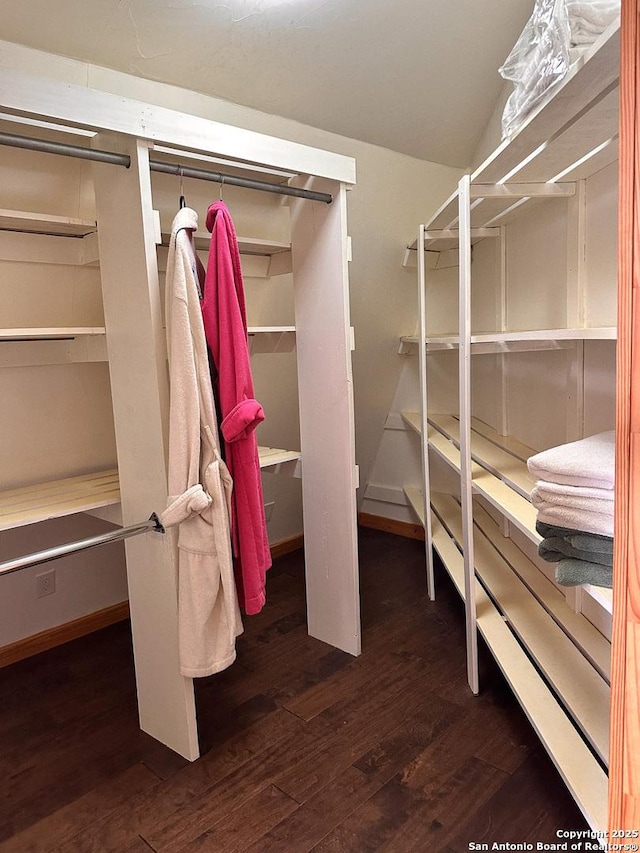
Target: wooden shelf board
[247, 245]
[51, 333]
[592, 333]
[602, 594]
[416, 501]
[446, 215]
[271, 457]
[412, 420]
[579, 92]
[504, 342]
[448, 552]
[511, 445]
[45, 223]
[586, 637]
[589, 132]
[57, 498]
[507, 457]
[270, 330]
[502, 496]
[574, 760]
[582, 689]
[445, 449]
[489, 454]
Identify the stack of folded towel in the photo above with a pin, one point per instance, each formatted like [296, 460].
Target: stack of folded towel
[588, 19]
[556, 35]
[574, 499]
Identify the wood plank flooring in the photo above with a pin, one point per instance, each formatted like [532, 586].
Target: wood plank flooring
[304, 747]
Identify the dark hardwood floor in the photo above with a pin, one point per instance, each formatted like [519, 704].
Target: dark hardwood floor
[304, 747]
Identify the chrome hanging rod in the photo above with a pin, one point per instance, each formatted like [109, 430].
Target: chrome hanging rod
[82, 545]
[235, 181]
[48, 147]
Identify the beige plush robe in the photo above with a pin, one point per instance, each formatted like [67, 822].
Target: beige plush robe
[199, 482]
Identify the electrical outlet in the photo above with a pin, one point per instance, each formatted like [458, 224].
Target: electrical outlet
[45, 583]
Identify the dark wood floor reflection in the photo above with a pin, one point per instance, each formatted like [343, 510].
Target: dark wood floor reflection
[304, 747]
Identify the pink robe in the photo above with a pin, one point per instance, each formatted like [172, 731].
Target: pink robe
[225, 323]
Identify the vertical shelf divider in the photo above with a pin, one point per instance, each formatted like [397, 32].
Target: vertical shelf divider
[464, 356]
[424, 426]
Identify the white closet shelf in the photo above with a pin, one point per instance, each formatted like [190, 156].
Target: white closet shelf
[499, 474]
[582, 689]
[601, 594]
[270, 330]
[260, 258]
[572, 121]
[574, 760]
[489, 452]
[572, 134]
[503, 489]
[275, 460]
[585, 636]
[45, 223]
[57, 498]
[415, 498]
[532, 340]
[247, 245]
[271, 339]
[51, 333]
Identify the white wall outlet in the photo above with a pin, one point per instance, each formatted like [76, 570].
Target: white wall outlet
[45, 583]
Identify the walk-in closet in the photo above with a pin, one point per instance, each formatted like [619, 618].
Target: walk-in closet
[319, 426]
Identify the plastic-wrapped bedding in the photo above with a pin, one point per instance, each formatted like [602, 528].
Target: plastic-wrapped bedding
[556, 35]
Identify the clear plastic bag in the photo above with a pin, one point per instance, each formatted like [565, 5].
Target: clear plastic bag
[539, 59]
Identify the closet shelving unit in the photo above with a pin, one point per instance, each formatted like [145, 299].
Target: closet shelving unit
[52, 239]
[126, 248]
[556, 661]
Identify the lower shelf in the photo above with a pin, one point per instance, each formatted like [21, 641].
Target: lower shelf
[277, 461]
[510, 618]
[86, 492]
[57, 498]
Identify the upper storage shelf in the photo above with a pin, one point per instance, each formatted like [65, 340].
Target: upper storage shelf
[573, 131]
[45, 223]
[571, 135]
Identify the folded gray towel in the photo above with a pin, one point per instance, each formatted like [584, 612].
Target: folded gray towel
[592, 542]
[556, 548]
[575, 572]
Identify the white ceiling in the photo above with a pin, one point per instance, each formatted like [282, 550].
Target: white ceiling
[416, 77]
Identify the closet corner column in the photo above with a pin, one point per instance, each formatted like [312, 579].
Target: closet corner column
[140, 393]
[624, 773]
[329, 476]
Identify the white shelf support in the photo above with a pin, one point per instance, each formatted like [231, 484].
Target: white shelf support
[325, 385]
[464, 356]
[137, 364]
[422, 351]
[537, 190]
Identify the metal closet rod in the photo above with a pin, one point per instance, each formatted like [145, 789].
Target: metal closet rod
[48, 147]
[81, 545]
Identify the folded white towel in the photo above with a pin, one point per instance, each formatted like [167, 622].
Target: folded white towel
[560, 493]
[574, 504]
[589, 462]
[589, 522]
[589, 20]
[595, 13]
